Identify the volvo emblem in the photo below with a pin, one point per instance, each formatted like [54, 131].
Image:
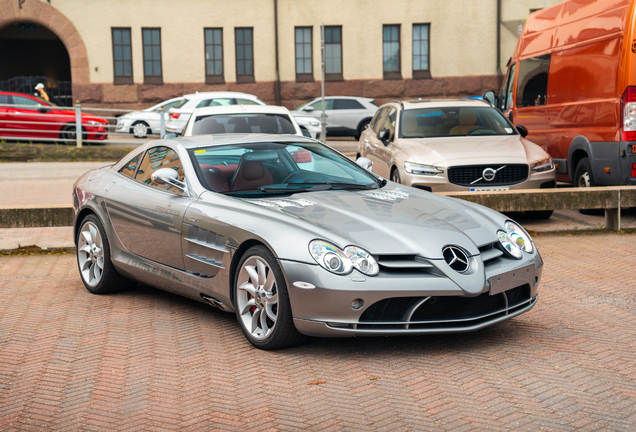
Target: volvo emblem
[489, 174]
[456, 258]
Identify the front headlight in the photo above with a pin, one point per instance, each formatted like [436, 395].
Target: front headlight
[515, 240]
[314, 122]
[362, 260]
[416, 168]
[330, 257]
[95, 123]
[544, 165]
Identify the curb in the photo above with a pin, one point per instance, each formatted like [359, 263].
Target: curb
[36, 216]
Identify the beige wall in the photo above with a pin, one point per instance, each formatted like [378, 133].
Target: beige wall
[463, 33]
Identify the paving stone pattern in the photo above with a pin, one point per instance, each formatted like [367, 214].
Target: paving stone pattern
[149, 360]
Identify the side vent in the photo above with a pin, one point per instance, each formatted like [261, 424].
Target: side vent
[205, 251]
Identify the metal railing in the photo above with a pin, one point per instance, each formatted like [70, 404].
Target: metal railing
[28, 123]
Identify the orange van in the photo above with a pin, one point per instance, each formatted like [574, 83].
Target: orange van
[572, 83]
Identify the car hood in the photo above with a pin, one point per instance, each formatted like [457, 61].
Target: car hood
[392, 220]
[466, 150]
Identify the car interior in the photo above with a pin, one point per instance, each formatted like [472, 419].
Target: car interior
[441, 122]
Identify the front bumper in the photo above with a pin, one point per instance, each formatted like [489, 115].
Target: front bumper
[397, 304]
[123, 125]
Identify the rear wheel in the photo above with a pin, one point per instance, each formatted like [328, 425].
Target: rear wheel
[262, 303]
[583, 177]
[363, 125]
[93, 259]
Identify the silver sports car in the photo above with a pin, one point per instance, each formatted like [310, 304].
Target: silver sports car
[298, 240]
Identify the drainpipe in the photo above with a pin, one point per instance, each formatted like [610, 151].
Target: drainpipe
[499, 74]
[277, 82]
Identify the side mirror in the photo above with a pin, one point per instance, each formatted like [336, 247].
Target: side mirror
[306, 133]
[383, 135]
[365, 163]
[490, 97]
[43, 110]
[308, 108]
[168, 176]
[523, 131]
[169, 135]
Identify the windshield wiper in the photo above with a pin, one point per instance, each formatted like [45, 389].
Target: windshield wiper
[327, 186]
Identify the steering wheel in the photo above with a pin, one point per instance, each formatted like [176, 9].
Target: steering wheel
[304, 177]
[476, 129]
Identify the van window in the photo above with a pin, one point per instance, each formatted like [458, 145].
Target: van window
[505, 97]
[532, 83]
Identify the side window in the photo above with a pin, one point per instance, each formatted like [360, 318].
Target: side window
[318, 104]
[4, 99]
[390, 123]
[246, 102]
[172, 104]
[505, 97]
[130, 167]
[30, 103]
[532, 83]
[379, 119]
[154, 159]
[342, 104]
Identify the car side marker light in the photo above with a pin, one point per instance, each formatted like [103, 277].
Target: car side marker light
[303, 285]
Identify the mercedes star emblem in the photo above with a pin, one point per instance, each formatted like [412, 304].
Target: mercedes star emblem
[455, 258]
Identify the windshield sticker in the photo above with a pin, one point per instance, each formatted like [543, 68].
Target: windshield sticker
[199, 151]
[388, 195]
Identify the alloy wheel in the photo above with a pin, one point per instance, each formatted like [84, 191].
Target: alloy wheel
[140, 130]
[257, 297]
[584, 179]
[90, 252]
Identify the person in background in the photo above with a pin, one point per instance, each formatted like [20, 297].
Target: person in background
[40, 88]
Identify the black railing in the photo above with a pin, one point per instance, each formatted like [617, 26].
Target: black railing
[60, 92]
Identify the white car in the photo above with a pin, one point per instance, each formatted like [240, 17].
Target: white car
[146, 122]
[178, 116]
[346, 115]
[242, 119]
[309, 124]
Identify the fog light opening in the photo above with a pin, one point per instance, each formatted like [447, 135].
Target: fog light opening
[357, 304]
[535, 281]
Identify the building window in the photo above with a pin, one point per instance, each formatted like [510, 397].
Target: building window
[304, 64]
[391, 51]
[333, 53]
[151, 39]
[214, 56]
[244, 54]
[122, 56]
[421, 45]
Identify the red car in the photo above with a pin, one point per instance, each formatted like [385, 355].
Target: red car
[26, 116]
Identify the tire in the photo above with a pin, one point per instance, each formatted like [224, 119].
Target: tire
[140, 129]
[361, 128]
[257, 305]
[539, 214]
[93, 249]
[68, 132]
[584, 177]
[395, 175]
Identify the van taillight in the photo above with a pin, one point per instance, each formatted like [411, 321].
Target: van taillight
[628, 114]
[634, 170]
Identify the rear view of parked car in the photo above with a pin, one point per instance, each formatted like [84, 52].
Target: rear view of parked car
[346, 115]
[26, 116]
[572, 83]
[179, 114]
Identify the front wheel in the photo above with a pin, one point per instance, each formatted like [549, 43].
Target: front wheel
[93, 259]
[583, 177]
[262, 303]
[68, 133]
[395, 176]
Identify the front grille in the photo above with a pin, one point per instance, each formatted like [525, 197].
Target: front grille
[508, 175]
[443, 311]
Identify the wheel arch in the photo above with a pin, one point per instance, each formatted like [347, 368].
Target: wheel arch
[579, 148]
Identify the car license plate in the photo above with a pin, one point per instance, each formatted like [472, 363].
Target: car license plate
[512, 279]
[491, 188]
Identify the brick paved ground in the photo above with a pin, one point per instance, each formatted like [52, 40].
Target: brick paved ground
[148, 360]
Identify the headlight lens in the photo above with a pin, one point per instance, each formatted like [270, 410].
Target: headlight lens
[544, 165]
[330, 257]
[519, 236]
[416, 168]
[314, 122]
[508, 245]
[362, 260]
[95, 123]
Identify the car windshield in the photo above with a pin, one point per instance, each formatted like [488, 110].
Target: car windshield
[453, 121]
[260, 169]
[243, 123]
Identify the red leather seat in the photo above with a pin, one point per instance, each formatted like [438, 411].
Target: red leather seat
[250, 174]
[216, 179]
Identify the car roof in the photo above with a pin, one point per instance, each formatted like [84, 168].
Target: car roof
[229, 139]
[219, 94]
[434, 103]
[347, 97]
[241, 109]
